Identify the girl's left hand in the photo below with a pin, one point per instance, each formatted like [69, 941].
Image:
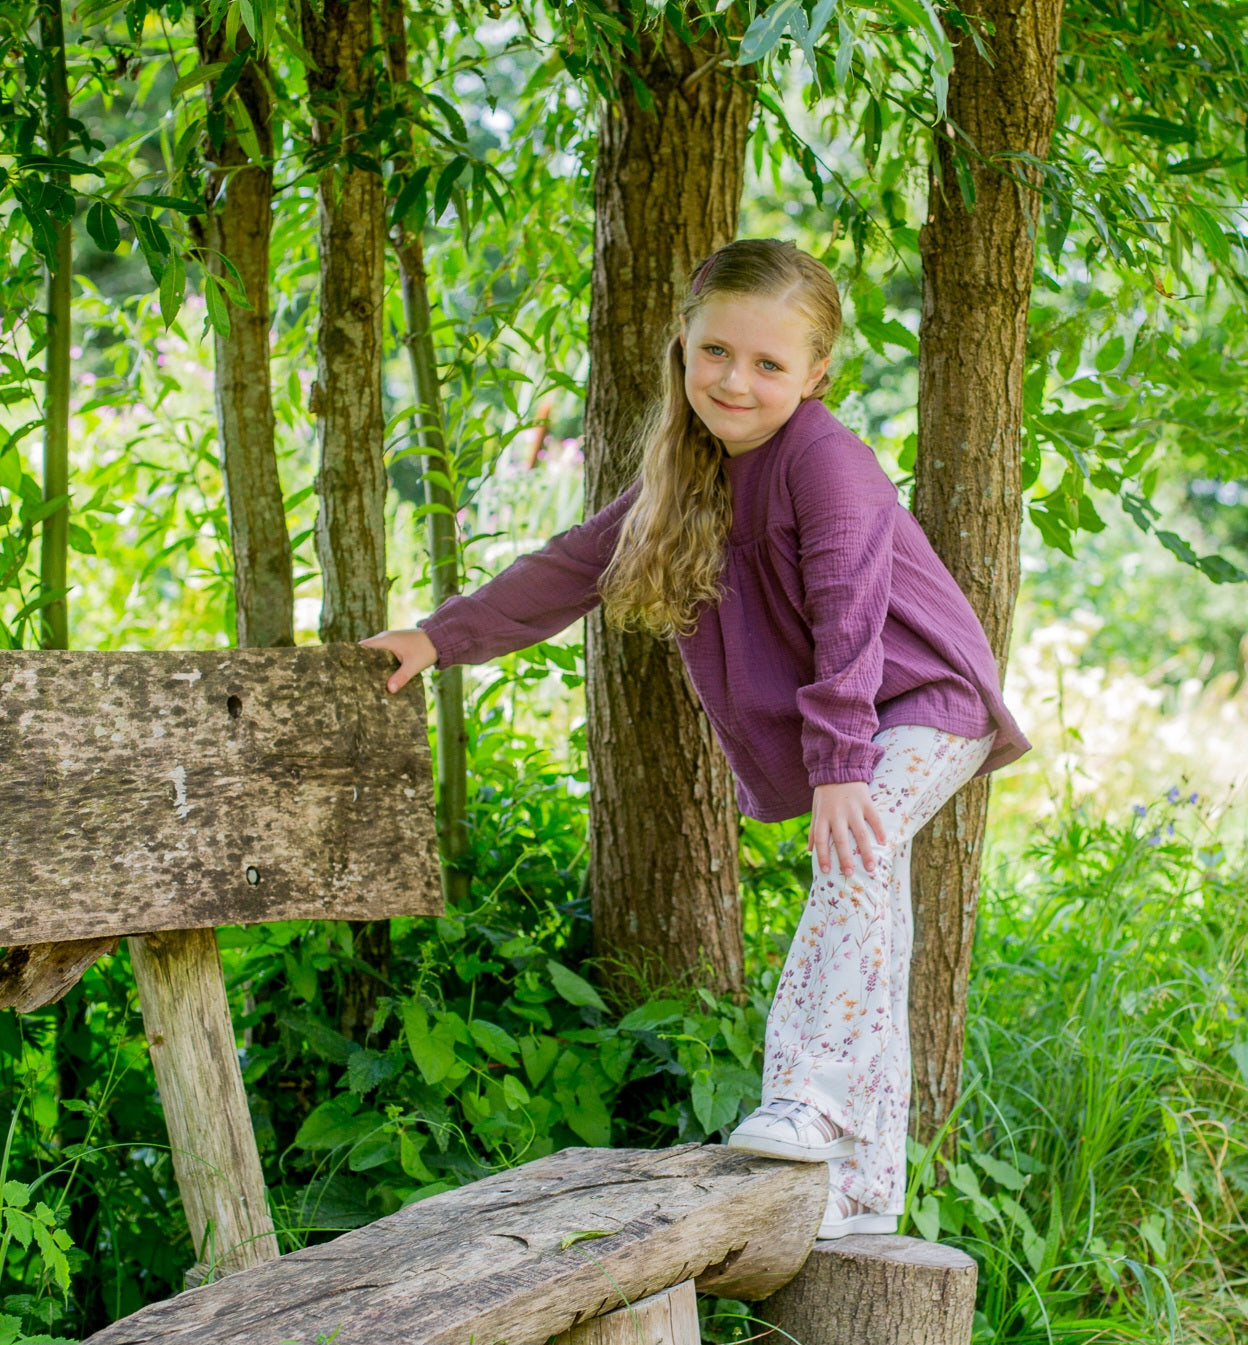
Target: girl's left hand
[846, 814]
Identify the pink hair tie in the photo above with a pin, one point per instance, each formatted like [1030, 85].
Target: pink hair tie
[703, 271]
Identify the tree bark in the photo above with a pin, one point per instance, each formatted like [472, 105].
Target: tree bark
[440, 525]
[346, 397]
[977, 277]
[237, 226]
[663, 814]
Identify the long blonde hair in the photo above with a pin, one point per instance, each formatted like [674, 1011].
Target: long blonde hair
[670, 554]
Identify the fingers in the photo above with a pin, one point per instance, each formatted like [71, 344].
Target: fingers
[843, 841]
[863, 837]
[413, 649]
[818, 842]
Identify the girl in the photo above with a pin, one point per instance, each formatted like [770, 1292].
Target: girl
[844, 672]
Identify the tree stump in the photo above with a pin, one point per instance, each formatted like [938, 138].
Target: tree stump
[669, 1318]
[878, 1291]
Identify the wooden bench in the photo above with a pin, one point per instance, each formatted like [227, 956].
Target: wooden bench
[595, 1247]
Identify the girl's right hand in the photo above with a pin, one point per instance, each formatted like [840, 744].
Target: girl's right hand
[414, 650]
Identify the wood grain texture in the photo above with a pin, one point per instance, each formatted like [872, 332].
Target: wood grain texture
[186, 1019]
[878, 1291]
[37, 974]
[146, 791]
[668, 1318]
[498, 1261]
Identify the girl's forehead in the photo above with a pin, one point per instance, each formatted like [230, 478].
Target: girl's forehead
[759, 319]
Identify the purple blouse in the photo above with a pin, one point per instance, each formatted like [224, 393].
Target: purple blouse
[838, 619]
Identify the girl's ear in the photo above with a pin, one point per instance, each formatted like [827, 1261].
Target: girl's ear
[816, 373]
[684, 334]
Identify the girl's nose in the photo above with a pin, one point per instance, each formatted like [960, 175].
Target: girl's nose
[733, 378]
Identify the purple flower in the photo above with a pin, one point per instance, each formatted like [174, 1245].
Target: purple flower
[1172, 794]
[1192, 798]
[1139, 810]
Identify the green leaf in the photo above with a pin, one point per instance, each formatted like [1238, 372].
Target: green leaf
[16, 1195]
[200, 75]
[218, 310]
[585, 1235]
[494, 1041]
[762, 36]
[335, 1123]
[538, 1055]
[366, 1069]
[1005, 1174]
[926, 1217]
[102, 226]
[647, 1017]
[447, 179]
[588, 1117]
[178, 203]
[172, 289]
[412, 200]
[515, 1094]
[48, 163]
[1172, 132]
[573, 988]
[327, 1043]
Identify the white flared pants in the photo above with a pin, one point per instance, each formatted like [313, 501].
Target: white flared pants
[837, 1034]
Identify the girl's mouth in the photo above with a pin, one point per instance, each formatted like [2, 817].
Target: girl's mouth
[727, 406]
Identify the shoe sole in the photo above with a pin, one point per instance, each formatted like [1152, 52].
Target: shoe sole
[856, 1223]
[797, 1153]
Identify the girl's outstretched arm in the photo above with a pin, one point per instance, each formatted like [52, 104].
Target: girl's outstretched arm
[414, 650]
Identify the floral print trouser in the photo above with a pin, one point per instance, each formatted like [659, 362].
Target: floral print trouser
[837, 1033]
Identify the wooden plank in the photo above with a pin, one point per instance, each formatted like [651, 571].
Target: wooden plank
[881, 1290]
[191, 1039]
[41, 973]
[668, 1318]
[518, 1257]
[147, 791]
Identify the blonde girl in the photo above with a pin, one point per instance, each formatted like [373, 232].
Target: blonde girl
[845, 675]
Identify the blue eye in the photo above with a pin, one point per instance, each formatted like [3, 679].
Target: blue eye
[770, 365]
[714, 350]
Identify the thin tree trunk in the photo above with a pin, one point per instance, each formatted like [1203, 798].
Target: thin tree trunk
[346, 398]
[54, 550]
[237, 227]
[977, 277]
[663, 814]
[83, 1213]
[440, 525]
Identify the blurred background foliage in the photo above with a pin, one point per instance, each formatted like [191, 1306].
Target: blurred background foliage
[1101, 1173]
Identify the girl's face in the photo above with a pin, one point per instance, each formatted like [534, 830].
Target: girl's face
[747, 367]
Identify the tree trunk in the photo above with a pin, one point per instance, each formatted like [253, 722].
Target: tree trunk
[440, 524]
[346, 398]
[54, 549]
[237, 227]
[977, 276]
[663, 815]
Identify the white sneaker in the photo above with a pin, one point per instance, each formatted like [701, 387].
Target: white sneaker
[783, 1128]
[845, 1216]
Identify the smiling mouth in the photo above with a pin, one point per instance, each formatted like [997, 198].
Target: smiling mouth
[728, 406]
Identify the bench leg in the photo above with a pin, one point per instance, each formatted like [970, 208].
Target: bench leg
[668, 1318]
[191, 1038]
[881, 1290]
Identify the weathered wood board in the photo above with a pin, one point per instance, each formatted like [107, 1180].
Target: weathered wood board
[519, 1257]
[149, 791]
[667, 1318]
[883, 1290]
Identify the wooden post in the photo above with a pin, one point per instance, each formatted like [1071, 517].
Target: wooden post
[667, 1318]
[191, 1038]
[878, 1291]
